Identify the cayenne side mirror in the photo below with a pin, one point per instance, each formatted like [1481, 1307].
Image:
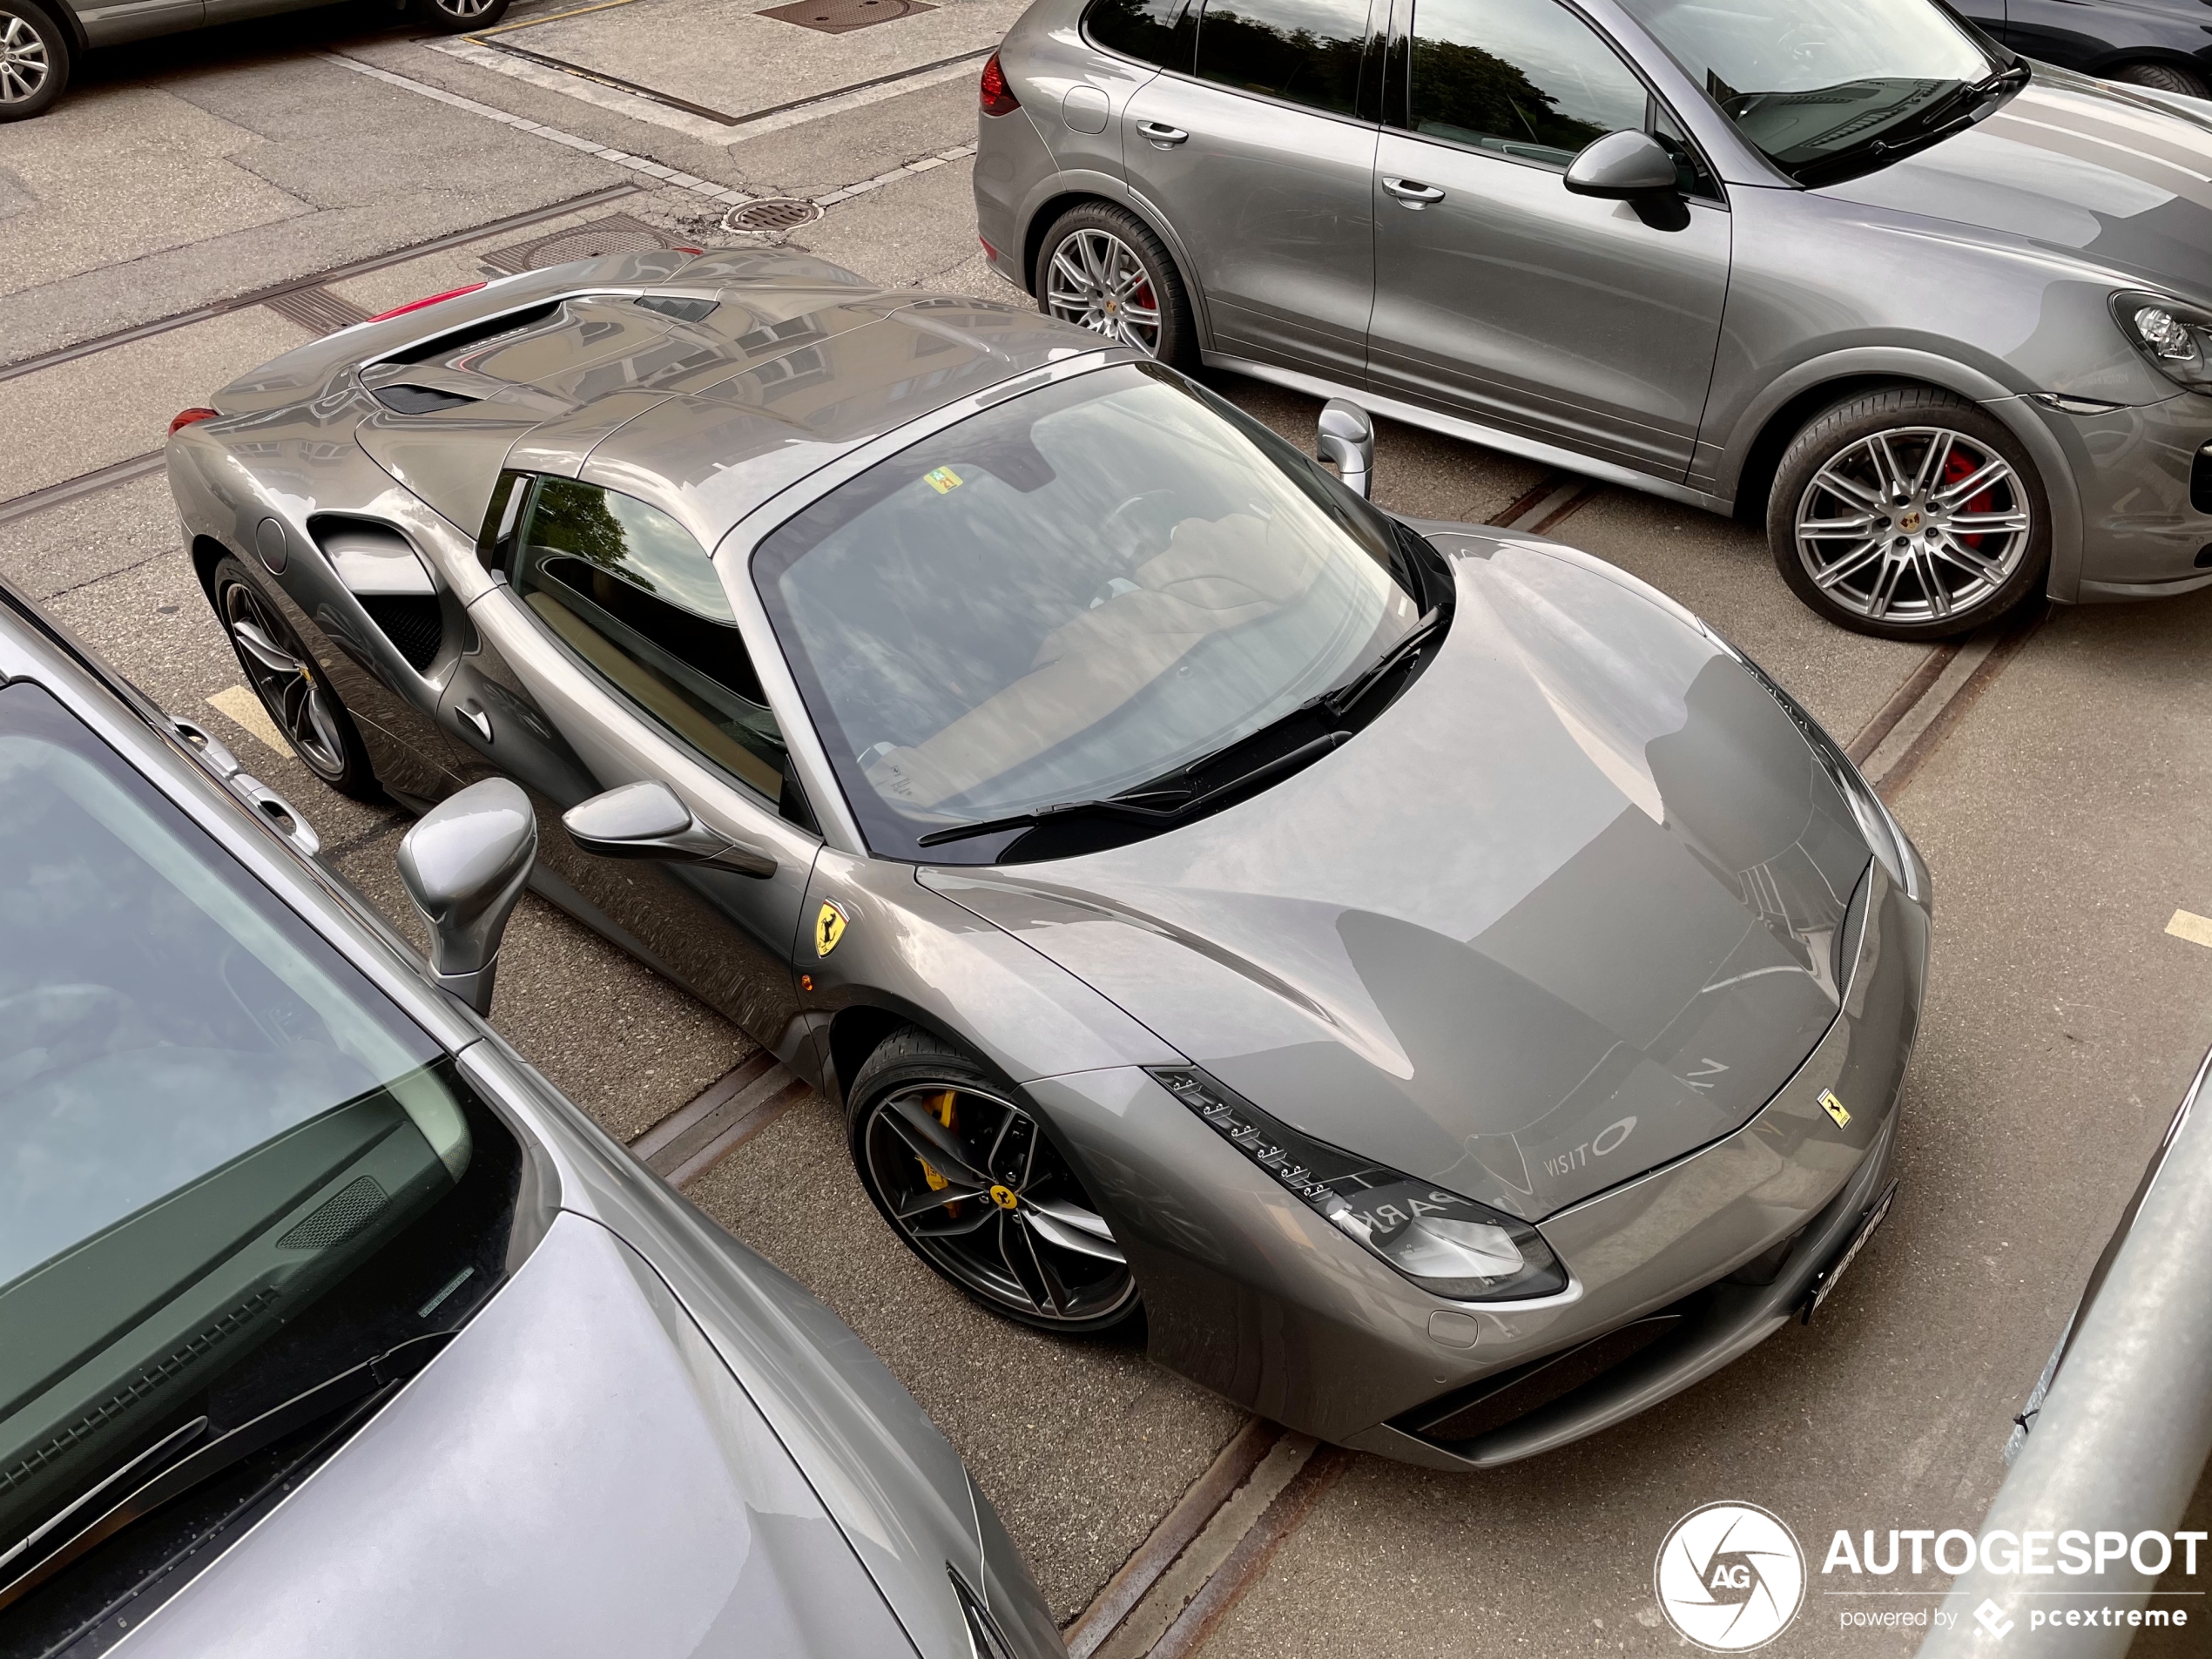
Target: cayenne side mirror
[464, 865]
[1347, 441]
[1624, 166]
[650, 820]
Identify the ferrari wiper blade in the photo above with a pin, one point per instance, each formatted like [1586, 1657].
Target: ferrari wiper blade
[1347, 696]
[1126, 808]
[54, 1546]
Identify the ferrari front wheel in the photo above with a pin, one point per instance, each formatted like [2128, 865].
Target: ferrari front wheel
[290, 687]
[967, 1177]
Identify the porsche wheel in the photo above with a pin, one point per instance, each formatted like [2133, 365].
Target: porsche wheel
[34, 60]
[965, 1175]
[294, 692]
[1102, 268]
[2165, 78]
[458, 17]
[1909, 514]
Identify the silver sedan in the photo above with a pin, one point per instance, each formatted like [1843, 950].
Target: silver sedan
[1938, 318]
[1422, 982]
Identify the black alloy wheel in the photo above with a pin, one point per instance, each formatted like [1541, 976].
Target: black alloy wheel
[1909, 513]
[966, 1176]
[34, 60]
[1102, 268]
[457, 17]
[2164, 78]
[292, 689]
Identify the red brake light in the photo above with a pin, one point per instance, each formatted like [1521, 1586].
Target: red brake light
[998, 98]
[417, 305]
[192, 417]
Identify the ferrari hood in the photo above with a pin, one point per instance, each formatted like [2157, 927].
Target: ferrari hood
[578, 1472]
[1567, 910]
[2119, 177]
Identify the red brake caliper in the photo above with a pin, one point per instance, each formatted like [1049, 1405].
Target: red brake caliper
[1956, 469]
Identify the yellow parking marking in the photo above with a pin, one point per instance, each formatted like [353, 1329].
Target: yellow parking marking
[245, 710]
[2194, 928]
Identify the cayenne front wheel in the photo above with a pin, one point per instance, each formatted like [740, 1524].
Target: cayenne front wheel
[967, 1177]
[290, 687]
[1909, 514]
[34, 60]
[1102, 268]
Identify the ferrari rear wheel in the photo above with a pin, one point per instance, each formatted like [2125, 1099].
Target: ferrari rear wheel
[967, 1177]
[290, 688]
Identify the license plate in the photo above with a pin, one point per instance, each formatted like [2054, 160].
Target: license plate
[1834, 1271]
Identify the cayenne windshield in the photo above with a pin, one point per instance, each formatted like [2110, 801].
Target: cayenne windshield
[1067, 596]
[1825, 87]
[229, 1169]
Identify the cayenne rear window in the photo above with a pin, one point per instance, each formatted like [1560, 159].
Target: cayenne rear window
[1303, 51]
[235, 1181]
[1151, 31]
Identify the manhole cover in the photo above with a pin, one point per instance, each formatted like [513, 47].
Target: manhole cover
[617, 233]
[770, 214]
[842, 17]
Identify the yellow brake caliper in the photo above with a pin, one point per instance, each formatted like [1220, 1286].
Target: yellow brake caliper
[942, 1108]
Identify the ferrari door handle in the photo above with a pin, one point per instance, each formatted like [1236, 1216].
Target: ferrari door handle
[1413, 191]
[1159, 135]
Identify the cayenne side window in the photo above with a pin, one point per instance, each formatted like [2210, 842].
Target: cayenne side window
[1303, 51]
[1525, 78]
[627, 589]
[1151, 31]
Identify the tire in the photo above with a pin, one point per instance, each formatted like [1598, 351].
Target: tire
[1890, 560]
[2164, 78]
[35, 60]
[293, 692]
[1092, 251]
[456, 17]
[1021, 1235]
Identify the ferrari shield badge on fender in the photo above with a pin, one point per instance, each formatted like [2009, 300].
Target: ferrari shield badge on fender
[1829, 1104]
[829, 927]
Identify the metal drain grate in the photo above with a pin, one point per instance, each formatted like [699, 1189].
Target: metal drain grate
[843, 17]
[316, 309]
[617, 233]
[771, 215]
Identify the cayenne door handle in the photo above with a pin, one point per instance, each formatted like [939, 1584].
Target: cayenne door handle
[1413, 193]
[1159, 135]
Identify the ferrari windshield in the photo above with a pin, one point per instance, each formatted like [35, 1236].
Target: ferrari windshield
[1070, 595]
[1823, 87]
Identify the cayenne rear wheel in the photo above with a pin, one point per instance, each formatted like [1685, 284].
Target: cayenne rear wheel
[966, 1176]
[2164, 78]
[1909, 514]
[34, 60]
[1102, 268]
[292, 689]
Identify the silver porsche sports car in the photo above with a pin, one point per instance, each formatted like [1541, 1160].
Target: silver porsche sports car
[332, 1328]
[1438, 991]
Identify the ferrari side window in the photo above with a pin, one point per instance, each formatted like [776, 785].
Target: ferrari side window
[626, 589]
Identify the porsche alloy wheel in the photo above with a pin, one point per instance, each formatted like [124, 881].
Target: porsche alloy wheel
[289, 686]
[976, 1189]
[34, 61]
[1096, 281]
[1909, 514]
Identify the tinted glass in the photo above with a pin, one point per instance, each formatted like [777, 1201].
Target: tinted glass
[1816, 83]
[1526, 78]
[1306, 51]
[1152, 32]
[229, 1169]
[1070, 594]
[627, 590]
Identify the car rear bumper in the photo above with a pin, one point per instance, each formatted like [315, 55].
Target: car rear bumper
[1250, 1293]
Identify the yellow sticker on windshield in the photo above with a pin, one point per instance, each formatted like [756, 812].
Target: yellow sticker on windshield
[943, 479]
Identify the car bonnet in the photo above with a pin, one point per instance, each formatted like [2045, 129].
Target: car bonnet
[2114, 175]
[577, 1473]
[1567, 910]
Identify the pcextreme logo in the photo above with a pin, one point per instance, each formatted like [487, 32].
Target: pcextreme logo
[1729, 1577]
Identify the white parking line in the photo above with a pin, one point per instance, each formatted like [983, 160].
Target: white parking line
[244, 711]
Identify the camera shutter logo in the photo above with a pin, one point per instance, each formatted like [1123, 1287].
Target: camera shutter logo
[1729, 1577]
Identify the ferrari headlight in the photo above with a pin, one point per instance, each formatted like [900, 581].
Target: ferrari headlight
[2176, 338]
[1448, 1246]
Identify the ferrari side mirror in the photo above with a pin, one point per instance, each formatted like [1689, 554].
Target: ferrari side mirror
[464, 865]
[1346, 441]
[650, 820]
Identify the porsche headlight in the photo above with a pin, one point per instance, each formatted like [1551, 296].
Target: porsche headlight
[2176, 338]
[1450, 1246]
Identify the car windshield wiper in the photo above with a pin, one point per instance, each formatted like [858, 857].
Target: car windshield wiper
[1953, 112]
[1340, 699]
[159, 1474]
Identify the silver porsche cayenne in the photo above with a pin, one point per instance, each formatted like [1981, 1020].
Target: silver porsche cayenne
[331, 1327]
[1939, 318]
[1431, 988]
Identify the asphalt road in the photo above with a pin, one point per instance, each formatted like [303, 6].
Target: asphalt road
[2060, 804]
